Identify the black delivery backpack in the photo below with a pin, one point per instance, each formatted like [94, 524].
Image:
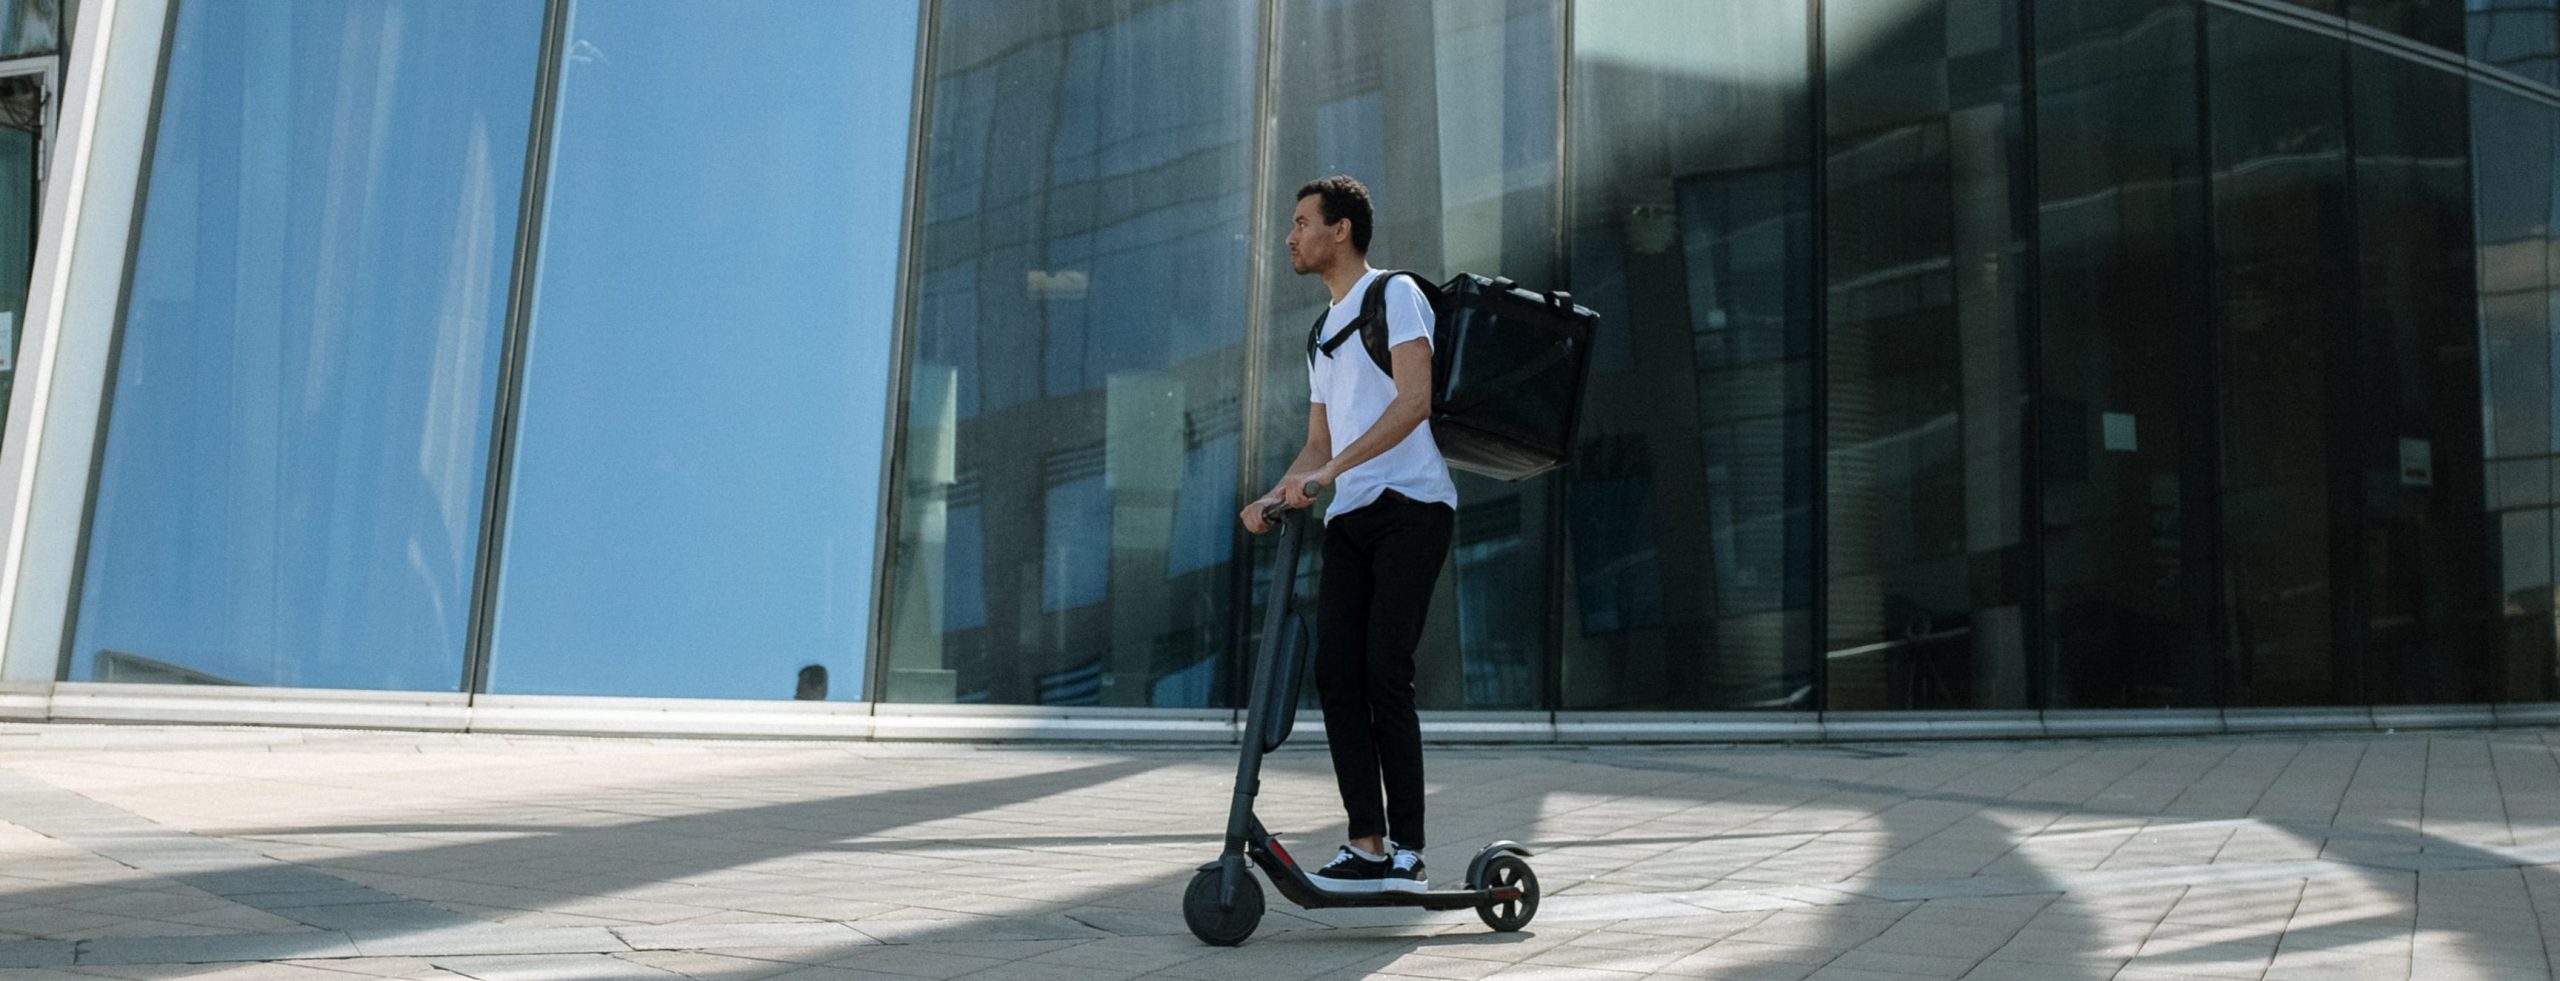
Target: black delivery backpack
[1507, 369]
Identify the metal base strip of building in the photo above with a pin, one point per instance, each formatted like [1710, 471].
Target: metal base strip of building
[714, 718]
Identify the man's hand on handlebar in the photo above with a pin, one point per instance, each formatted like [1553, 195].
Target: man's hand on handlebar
[1296, 491]
[1257, 515]
[1300, 490]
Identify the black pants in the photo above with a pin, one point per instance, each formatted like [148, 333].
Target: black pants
[1380, 563]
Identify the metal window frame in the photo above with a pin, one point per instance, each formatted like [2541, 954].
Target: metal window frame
[93, 74]
[524, 279]
[893, 444]
[94, 455]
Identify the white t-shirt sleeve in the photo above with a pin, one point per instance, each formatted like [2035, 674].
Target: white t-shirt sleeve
[1315, 380]
[1408, 314]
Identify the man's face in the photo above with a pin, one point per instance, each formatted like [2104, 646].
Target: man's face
[1311, 239]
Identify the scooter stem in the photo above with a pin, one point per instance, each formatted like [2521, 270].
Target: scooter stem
[1240, 823]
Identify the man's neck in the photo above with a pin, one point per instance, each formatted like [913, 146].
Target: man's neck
[1345, 275]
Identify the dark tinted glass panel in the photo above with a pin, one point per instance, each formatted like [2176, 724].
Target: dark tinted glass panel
[1448, 112]
[698, 446]
[294, 466]
[2516, 147]
[2125, 444]
[1689, 529]
[22, 136]
[2425, 563]
[2436, 22]
[2521, 36]
[1924, 463]
[2284, 246]
[1067, 504]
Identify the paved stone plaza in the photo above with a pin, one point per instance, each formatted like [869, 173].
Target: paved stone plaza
[297, 854]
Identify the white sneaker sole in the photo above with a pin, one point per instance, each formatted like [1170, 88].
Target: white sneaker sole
[1349, 887]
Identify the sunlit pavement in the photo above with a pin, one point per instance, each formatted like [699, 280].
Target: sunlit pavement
[271, 853]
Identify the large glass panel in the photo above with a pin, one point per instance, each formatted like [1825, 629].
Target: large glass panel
[1066, 520]
[1690, 544]
[2125, 446]
[1447, 110]
[2436, 22]
[27, 27]
[294, 467]
[2284, 254]
[33, 27]
[2516, 148]
[694, 493]
[1924, 368]
[2521, 36]
[22, 140]
[2425, 570]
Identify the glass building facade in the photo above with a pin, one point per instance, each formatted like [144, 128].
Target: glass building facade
[1956, 356]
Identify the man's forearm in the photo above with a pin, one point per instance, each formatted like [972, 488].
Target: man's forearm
[1402, 417]
[1309, 458]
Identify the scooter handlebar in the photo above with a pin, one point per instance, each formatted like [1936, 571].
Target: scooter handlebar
[1271, 512]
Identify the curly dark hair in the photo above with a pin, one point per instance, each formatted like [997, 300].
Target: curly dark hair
[1343, 197]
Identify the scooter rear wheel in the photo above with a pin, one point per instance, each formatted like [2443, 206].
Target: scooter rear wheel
[1221, 927]
[1505, 871]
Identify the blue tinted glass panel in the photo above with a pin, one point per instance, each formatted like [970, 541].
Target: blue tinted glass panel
[294, 465]
[2521, 36]
[696, 480]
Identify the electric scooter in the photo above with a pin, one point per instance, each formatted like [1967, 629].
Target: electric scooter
[1224, 903]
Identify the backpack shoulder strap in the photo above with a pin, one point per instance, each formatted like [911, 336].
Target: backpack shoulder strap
[1373, 317]
[1370, 323]
[1315, 337]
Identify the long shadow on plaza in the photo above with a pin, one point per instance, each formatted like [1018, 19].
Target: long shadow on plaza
[1904, 819]
[330, 896]
[1925, 854]
[676, 847]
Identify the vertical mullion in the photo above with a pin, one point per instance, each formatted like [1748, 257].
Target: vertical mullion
[2350, 601]
[893, 443]
[2216, 633]
[97, 444]
[1819, 175]
[511, 346]
[1560, 484]
[1257, 316]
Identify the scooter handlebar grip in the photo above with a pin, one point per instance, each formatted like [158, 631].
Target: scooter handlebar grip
[1272, 511]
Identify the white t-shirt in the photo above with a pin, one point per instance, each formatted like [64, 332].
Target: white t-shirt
[1355, 393]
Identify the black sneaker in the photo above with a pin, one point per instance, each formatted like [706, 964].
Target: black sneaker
[1351, 871]
[1405, 874]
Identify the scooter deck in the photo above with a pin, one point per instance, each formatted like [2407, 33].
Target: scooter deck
[1291, 880]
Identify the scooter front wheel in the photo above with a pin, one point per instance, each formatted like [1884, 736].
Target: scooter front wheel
[1507, 872]
[1224, 927]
